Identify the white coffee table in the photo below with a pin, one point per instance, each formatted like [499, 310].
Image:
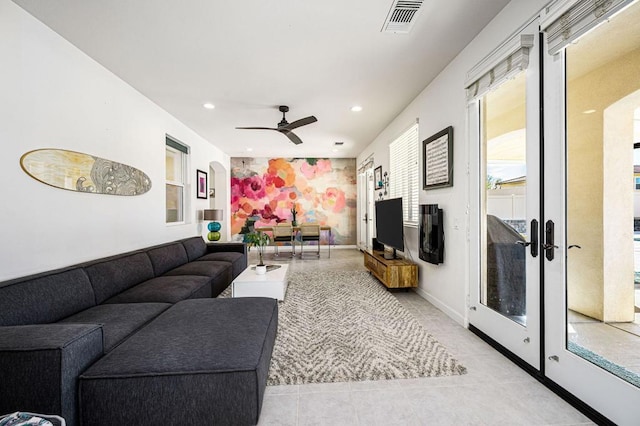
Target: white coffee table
[272, 284]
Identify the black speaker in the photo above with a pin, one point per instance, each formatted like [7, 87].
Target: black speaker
[376, 246]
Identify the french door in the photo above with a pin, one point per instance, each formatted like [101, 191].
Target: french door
[558, 252]
[592, 125]
[504, 113]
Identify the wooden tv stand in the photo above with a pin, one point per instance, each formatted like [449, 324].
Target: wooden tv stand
[393, 273]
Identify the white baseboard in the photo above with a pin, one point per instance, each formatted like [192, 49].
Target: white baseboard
[442, 306]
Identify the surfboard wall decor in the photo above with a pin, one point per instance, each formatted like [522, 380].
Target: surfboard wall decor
[80, 172]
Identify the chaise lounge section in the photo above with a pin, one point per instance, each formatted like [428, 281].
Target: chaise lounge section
[186, 368]
[60, 325]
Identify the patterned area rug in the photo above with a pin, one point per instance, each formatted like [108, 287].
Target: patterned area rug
[344, 326]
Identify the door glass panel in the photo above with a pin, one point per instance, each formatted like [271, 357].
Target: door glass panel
[503, 206]
[603, 196]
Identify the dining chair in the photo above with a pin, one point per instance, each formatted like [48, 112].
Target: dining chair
[283, 233]
[309, 232]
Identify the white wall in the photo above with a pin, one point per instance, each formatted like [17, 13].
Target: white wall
[55, 96]
[442, 103]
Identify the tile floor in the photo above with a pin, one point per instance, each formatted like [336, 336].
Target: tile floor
[617, 342]
[493, 392]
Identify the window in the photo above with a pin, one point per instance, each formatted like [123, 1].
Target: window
[176, 162]
[403, 173]
[637, 183]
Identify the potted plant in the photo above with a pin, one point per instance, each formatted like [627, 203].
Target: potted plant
[259, 240]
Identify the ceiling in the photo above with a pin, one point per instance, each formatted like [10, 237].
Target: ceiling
[319, 58]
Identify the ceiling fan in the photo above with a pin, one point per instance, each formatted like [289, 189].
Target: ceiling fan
[285, 127]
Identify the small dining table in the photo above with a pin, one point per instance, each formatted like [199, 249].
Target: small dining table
[296, 229]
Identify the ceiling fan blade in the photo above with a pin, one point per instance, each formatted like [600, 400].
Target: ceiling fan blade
[256, 128]
[301, 122]
[292, 136]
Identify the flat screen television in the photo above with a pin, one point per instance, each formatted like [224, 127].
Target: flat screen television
[431, 234]
[390, 225]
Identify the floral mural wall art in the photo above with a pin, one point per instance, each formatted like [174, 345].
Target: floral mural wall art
[266, 191]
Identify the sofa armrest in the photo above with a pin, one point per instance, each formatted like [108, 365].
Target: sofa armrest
[40, 366]
[234, 247]
[43, 336]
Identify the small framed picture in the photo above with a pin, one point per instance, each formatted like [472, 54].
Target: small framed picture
[201, 184]
[438, 160]
[377, 177]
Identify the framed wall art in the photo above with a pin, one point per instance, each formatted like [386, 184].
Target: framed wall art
[377, 177]
[438, 160]
[201, 184]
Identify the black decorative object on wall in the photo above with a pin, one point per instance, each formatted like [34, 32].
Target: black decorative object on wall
[431, 229]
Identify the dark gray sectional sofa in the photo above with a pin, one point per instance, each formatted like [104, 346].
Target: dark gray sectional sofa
[137, 338]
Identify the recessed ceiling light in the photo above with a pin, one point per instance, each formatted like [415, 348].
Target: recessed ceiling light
[334, 150]
[589, 111]
[356, 108]
[209, 105]
[249, 149]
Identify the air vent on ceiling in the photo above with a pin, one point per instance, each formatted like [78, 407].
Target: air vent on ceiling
[401, 16]
[338, 143]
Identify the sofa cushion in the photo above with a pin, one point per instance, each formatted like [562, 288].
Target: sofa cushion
[116, 274]
[41, 299]
[119, 320]
[209, 355]
[220, 273]
[168, 289]
[236, 259]
[208, 269]
[167, 257]
[195, 247]
[43, 363]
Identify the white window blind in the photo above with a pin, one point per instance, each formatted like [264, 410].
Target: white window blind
[566, 21]
[503, 63]
[403, 173]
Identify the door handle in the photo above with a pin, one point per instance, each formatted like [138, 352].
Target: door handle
[534, 239]
[549, 246]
